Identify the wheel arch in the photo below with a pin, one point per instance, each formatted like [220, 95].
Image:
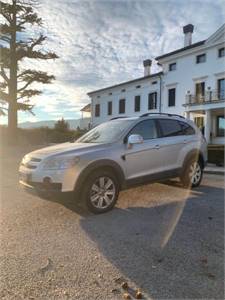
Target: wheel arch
[99, 165]
[196, 154]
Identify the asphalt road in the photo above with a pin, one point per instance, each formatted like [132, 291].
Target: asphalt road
[160, 238]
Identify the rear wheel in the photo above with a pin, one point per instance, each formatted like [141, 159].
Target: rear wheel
[192, 175]
[100, 191]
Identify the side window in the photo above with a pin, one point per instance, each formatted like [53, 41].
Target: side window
[170, 128]
[147, 129]
[187, 129]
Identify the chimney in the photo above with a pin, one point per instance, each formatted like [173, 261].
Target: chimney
[147, 67]
[188, 30]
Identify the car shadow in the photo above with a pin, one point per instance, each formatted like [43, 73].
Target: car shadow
[159, 249]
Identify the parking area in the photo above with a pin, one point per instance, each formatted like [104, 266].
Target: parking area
[161, 238]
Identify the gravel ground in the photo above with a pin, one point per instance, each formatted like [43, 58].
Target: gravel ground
[160, 238]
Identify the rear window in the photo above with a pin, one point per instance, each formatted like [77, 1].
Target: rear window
[170, 128]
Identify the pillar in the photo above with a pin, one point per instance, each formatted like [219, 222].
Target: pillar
[208, 125]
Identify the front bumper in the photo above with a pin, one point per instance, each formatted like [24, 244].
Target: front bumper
[36, 188]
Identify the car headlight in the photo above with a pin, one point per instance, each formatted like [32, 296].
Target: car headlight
[60, 163]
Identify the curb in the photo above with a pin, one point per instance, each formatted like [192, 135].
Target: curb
[215, 172]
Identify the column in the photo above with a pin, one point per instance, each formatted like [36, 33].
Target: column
[208, 126]
[187, 115]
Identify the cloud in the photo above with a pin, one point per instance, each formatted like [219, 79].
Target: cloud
[103, 42]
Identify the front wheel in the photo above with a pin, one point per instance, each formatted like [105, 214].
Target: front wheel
[100, 191]
[192, 175]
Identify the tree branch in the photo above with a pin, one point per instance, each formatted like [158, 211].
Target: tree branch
[3, 74]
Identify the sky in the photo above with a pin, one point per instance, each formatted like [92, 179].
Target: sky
[101, 43]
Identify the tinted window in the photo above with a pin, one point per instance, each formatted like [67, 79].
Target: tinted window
[170, 128]
[137, 103]
[109, 108]
[122, 106]
[146, 129]
[171, 97]
[187, 129]
[97, 110]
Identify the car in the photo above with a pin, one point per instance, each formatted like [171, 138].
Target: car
[116, 155]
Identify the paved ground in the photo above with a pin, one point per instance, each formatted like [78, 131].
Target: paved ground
[51, 250]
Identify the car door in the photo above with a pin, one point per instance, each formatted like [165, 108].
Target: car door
[146, 158]
[172, 142]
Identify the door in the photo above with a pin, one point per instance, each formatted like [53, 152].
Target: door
[172, 143]
[144, 159]
[200, 92]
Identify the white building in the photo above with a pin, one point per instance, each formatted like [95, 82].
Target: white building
[192, 83]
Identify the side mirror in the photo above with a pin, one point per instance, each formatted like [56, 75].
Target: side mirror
[135, 139]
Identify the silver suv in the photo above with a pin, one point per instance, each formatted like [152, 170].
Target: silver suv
[116, 155]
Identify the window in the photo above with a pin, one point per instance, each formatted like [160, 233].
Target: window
[109, 108]
[221, 89]
[172, 67]
[123, 90]
[138, 86]
[221, 52]
[154, 82]
[97, 110]
[170, 128]
[122, 103]
[171, 97]
[147, 129]
[220, 126]
[152, 100]
[200, 91]
[108, 132]
[200, 58]
[187, 129]
[137, 103]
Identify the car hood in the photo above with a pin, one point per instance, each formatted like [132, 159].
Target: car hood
[66, 148]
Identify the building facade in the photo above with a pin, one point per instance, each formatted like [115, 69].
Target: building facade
[192, 83]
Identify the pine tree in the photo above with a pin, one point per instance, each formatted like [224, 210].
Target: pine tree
[15, 81]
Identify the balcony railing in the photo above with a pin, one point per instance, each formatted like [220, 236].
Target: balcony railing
[209, 97]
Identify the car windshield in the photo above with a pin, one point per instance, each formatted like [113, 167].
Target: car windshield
[108, 132]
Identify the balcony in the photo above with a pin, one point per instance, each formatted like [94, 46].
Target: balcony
[212, 96]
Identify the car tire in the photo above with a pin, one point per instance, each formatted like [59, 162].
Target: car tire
[100, 191]
[192, 174]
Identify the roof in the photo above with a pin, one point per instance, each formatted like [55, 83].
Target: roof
[86, 108]
[181, 50]
[127, 82]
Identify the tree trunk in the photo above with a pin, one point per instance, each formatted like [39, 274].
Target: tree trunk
[12, 113]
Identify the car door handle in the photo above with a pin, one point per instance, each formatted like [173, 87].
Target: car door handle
[157, 147]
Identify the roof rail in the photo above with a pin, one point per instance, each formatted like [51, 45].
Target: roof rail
[164, 114]
[115, 118]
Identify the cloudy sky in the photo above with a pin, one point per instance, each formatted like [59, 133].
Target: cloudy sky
[103, 42]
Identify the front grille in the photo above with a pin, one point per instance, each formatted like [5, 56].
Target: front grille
[35, 159]
[31, 166]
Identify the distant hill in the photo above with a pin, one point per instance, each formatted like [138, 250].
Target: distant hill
[72, 122]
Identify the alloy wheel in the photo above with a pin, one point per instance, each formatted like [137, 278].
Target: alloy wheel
[102, 192]
[195, 173]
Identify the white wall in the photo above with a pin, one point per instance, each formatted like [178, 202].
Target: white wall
[188, 73]
[103, 98]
